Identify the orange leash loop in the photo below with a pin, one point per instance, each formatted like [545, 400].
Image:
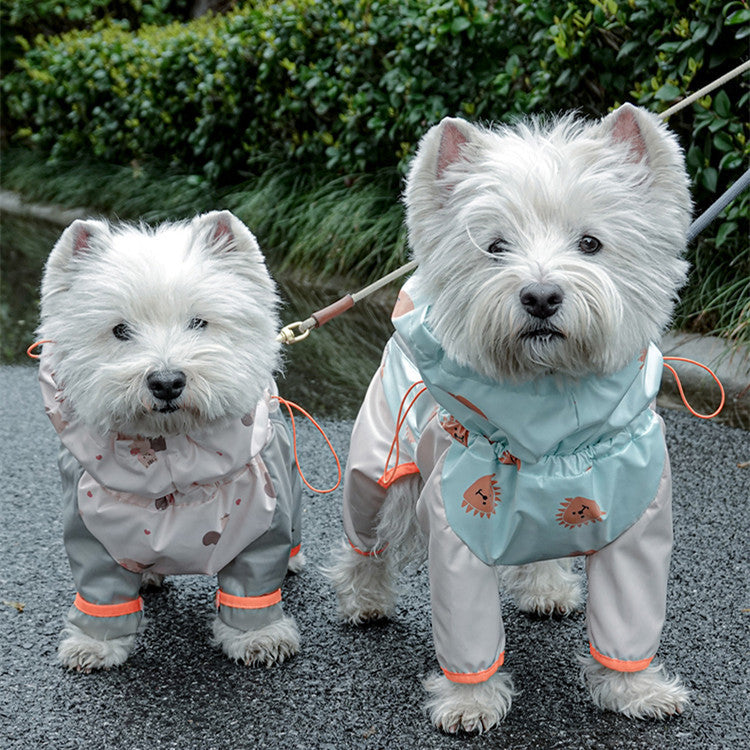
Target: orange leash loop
[289, 405]
[682, 393]
[35, 345]
[400, 419]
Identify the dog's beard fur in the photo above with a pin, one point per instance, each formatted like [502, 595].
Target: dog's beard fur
[541, 187]
[163, 285]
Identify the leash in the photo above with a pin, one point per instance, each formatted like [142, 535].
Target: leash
[287, 334]
[300, 329]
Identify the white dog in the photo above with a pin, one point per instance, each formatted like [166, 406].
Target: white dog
[516, 392]
[157, 374]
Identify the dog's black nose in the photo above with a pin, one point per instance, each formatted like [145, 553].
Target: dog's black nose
[541, 300]
[166, 385]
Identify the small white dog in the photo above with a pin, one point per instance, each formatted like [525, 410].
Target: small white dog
[519, 383]
[157, 373]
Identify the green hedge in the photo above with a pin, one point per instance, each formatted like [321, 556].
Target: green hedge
[22, 20]
[352, 84]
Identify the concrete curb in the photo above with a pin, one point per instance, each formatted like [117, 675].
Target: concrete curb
[15, 205]
[731, 365]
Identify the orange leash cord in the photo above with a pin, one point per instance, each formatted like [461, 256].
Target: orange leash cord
[289, 405]
[682, 393]
[400, 419]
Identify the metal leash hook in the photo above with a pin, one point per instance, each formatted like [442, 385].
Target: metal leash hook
[287, 334]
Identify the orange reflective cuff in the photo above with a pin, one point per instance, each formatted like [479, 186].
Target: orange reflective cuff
[372, 553]
[620, 665]
[295, 550]
[402, 470]
[108, 610]
[247, 602]
[472, 678]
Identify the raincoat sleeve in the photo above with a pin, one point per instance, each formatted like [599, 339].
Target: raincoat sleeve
[370, 443]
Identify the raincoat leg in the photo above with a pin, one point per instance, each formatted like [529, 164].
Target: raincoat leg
[466, 617]
[627, 583]
[103, 586]
[250, 585]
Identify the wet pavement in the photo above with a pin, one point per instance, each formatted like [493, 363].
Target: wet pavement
[350, 687]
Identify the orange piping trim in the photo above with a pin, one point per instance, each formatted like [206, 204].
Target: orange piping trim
[682, 393]
[402, 470]
[372, 553]
[295, 550]
[289, 405]
[472, 678]
[108, 610]
[620, 665]
[247, 602]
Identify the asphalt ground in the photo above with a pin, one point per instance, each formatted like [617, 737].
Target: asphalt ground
[354, 687]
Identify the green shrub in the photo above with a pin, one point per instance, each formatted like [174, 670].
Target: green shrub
[22, 21]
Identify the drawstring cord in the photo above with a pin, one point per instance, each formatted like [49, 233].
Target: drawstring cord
[36, 345]
[682, 393]
[289, 405]
[400, 420]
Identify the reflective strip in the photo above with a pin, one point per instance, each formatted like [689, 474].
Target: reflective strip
[247, 602]
[295, 550]
[620, 665]
[402, 470]
[471, 678]
[108, 610]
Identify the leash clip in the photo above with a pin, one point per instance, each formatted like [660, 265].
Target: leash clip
[287, 334]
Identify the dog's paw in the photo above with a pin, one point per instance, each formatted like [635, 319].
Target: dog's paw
[365, 586]
[81, 652]
[151, 580]
[454, 707]
[296, 563]
[648, 694]
[543, 588]
[269, 645]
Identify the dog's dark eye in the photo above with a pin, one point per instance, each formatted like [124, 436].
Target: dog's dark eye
[498, 246]
[196, 324]
[123, 332]
[589, 245]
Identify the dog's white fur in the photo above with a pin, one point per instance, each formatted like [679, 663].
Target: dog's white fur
[536, 189]
[156, 281]
[160, 283]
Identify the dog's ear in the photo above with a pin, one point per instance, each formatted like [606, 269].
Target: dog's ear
[222, 232]
[624, 127]
[443, 146]
[652, 145]
[454, 135]
[83, 237]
